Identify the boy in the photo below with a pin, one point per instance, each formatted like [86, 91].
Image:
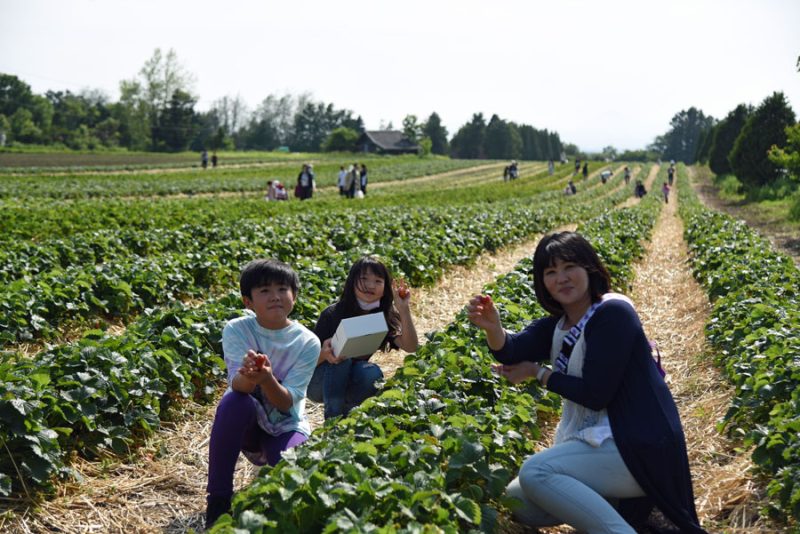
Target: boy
[270, 361]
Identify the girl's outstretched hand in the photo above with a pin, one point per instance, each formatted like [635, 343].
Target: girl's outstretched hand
[402, 294]
[482, 312]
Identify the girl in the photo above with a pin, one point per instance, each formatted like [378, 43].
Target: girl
[343, 384]
[620, 435]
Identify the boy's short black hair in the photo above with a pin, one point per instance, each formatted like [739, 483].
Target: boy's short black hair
[262, 272]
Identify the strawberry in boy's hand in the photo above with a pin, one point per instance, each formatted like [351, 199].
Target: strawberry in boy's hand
[260, 360]
[485, 299]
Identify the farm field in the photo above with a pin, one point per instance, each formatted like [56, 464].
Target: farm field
[115, 284]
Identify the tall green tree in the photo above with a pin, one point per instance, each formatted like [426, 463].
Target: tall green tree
[555, 147]
[683, 138]
[467, 143]
[315, 122]
[412, 128]
[788, 156]
[152, 92]
[437, 133]
[14, 94]
[497, 143]
[704, 144]
[133, 115]
[764, 128]
[341, 139]
[723, 137]
[176, 123]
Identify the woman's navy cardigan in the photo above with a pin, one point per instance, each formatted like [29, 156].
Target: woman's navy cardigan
[619, 374]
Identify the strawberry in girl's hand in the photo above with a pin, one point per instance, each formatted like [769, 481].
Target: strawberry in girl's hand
[485, 299]
[260, 360]
[402, 289]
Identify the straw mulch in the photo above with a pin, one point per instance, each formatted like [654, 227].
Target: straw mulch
[674, 310]
[648, 184]
[161, 486]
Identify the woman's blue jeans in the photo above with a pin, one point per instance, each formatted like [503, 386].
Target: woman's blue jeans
[344, 385]
[573, 483]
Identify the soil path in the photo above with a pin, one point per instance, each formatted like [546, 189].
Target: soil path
[648, 184]
[674, 309]
[782, 236]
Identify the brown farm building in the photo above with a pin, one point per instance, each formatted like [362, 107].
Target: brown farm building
[386, 142]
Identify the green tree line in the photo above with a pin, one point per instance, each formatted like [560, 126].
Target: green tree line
[156, 112]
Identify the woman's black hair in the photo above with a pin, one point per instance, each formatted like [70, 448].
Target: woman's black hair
[571, 247]
[262, 272]
[349, 303]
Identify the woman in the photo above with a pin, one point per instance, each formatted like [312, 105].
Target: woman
[620, 435]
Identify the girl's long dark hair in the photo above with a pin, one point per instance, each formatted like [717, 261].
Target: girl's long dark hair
[349, 304]
[571, 247]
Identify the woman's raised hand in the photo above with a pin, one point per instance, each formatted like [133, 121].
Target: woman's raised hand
[482, 312]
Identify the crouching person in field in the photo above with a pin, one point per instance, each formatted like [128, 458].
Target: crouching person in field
[270, 361]
[619, 448]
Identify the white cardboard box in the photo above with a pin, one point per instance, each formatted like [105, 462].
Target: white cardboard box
[359, 336]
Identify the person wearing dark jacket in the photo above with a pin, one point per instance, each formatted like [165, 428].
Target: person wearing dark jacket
[620, 436]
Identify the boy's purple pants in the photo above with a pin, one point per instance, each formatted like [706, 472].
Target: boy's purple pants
[236, 429]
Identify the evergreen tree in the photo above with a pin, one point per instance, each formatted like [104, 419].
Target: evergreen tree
[175, 128]
[682, 140]
[437, 133]
[764, 128]
[704, 144]
[555, 146]
[468, 141]
[723, 137]
[497, 143]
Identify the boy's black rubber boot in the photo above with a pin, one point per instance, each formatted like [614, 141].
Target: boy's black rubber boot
[216, 507]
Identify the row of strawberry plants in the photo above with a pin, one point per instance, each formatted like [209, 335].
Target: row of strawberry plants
[24, 255]
[104, 391]
[436, 449]
[20, 257]
[23, 219]
[755, 330]
[425, 241]
[218, 180]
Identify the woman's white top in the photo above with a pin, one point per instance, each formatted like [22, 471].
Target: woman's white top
[578, 421]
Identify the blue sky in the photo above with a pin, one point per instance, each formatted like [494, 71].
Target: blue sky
[599, 73]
